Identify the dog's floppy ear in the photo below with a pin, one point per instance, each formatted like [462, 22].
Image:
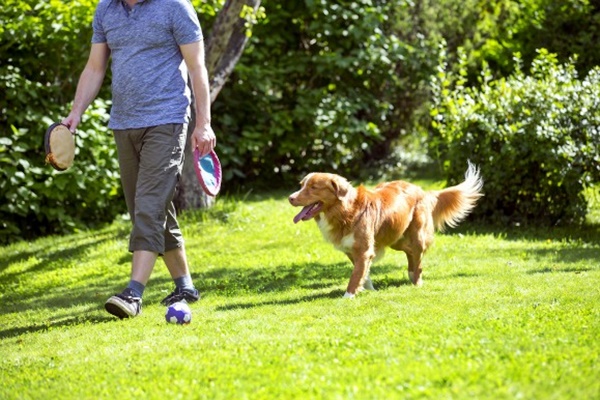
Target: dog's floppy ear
[340, 186]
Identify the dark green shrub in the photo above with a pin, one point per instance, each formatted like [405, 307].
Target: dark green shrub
[44, 47]
[534, 136]
[38, 200]
[563, 27]
[322, 86]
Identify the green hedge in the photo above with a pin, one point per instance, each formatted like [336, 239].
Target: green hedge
[44, 48]
[535, 137]
[333, 86]
[43, 201]
[322, 86]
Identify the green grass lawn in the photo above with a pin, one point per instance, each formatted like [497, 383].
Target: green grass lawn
[503, 314]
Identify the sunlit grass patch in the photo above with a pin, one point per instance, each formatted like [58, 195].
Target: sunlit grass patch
[503, 313]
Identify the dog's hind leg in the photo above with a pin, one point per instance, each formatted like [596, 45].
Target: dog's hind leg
[414, 254]
[414, 267]
[419, 236]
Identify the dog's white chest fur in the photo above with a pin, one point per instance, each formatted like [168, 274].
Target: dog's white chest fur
[344, 245]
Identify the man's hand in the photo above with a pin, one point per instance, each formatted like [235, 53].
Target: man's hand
[72, 121]
[204, 139]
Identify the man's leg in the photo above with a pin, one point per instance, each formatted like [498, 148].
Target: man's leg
[175, 257]
[128, 303]
[141, 266]
[176, 262]
[177, 265]
[149, 161]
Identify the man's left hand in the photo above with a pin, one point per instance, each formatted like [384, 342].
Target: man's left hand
[204, 139]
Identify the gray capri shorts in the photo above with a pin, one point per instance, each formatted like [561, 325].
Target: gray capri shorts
[151, 161]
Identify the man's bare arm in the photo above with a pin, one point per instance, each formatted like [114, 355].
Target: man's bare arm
[89, 83]
[203, 136]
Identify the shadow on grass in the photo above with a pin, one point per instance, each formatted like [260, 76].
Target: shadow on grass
[458, 275]
[588, 233]
[97, 286]
[327, 280]
[51, 259]
[577, 243]
[41, 327]
[333, 294]
[64, 304]
[60, 306]
[230, 281]
[323, 277]
[316, 276]
[554, 269]
[60, 248]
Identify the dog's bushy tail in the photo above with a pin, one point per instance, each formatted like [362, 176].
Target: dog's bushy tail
[453, 204]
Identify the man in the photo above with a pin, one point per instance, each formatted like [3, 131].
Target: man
[151, 43]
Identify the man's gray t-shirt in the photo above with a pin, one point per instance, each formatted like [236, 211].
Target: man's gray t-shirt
[149, 77]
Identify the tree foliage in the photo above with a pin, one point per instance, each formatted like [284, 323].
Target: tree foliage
[337, 85]
[535, 137]
[323, 85]
[332, 85]
[564, 27]
[44, 46]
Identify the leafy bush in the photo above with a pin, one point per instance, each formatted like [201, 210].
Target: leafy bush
[492, 31]
[322, 86]
[45, 45]
[43, 201]
[563, 27]
[535, 137]
[343, 85]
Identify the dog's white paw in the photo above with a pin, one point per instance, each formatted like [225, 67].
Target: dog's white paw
[368, 284]
[348, 296]
[411, 276]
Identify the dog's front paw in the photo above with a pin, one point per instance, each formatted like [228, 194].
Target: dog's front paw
[348, 295]
[415, 279]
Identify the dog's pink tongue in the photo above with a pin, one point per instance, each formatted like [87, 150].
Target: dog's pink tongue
[305, 211]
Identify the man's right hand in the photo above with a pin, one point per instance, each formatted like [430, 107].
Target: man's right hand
[72, 121]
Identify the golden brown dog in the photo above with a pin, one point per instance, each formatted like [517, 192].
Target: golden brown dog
[362, 222]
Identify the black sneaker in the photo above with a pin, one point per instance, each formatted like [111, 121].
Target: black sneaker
[124, 305]
[189, 295]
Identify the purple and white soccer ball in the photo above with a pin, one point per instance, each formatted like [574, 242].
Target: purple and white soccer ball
[179, 313]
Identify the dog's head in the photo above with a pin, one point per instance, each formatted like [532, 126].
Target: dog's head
[318, 191]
